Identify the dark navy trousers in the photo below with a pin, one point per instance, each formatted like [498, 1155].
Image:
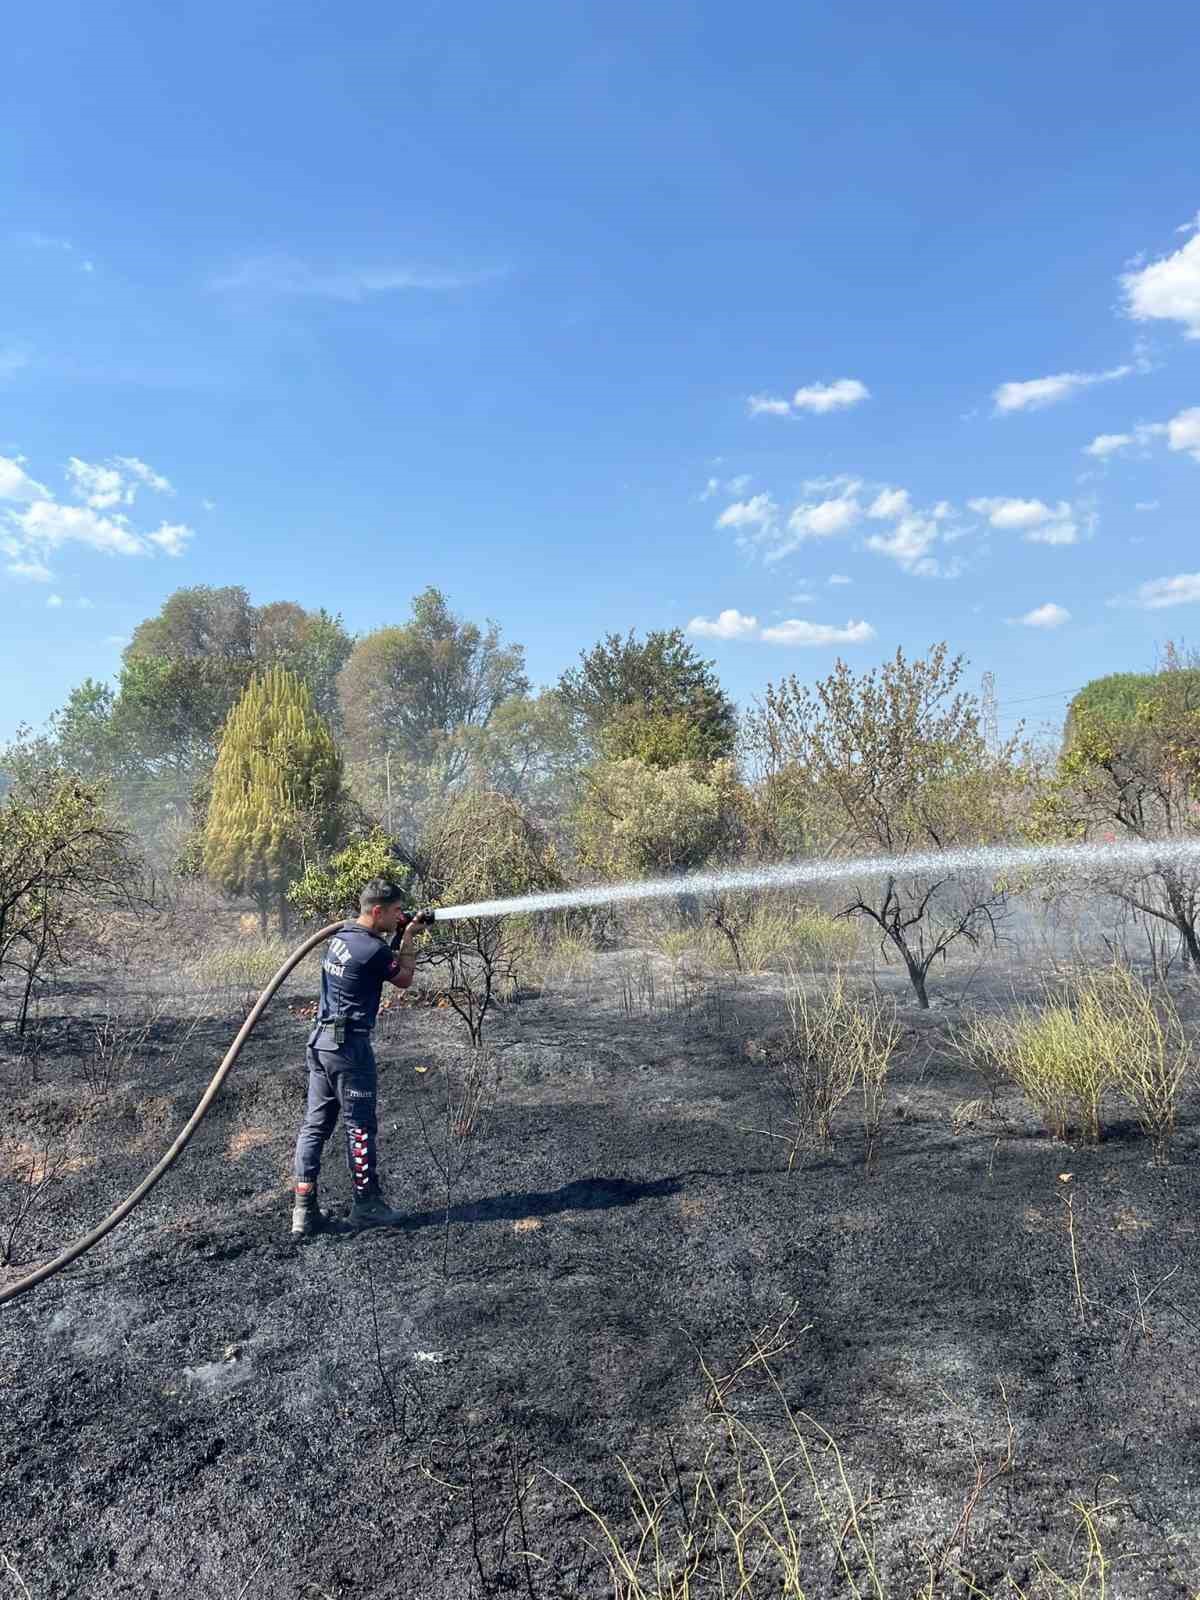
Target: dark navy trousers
[341, 1079]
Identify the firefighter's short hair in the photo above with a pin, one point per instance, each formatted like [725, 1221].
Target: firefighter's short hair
[379, 892]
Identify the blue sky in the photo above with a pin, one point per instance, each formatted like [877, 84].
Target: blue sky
[791, 325]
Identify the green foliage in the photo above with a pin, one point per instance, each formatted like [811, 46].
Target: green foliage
[312, 644]
[656, 738]
[1103, 1031]
[83, 730]
[483, 846]
[529, 750]
[1133, 772]
[895, 761]
[276, 792]
[635, 684]
[408, 691]
[62, 859]
[185, 668]
[633, 820]
[1121, 699]
[324, 893]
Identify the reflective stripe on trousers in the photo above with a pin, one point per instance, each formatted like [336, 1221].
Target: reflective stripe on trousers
[340, 1079]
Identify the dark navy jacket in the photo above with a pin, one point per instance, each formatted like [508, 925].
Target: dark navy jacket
[357, 964]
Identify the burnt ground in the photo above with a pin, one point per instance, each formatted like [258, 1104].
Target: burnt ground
[202, 1407]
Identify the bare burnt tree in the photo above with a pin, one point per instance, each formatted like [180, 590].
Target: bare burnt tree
[888, 764]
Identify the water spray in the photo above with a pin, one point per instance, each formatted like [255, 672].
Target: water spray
[994, 860]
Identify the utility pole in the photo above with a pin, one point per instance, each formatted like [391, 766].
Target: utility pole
[387, 767]
[989, 718]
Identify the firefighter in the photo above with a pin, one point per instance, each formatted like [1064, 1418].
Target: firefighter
[375, 948]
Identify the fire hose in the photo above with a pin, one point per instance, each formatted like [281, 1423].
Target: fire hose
[203, 1105]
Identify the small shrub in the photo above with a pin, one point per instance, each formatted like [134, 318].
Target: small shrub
[1105, 1031]
[1155, 1057]
[829, 1046]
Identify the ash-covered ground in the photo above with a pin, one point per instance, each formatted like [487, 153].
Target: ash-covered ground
[204, 1407]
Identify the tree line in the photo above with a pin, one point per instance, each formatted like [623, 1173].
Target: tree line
[271, 752]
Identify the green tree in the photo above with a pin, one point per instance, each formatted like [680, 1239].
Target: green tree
[408, 693]
[185, 668]
[895, 762]
[1130, 770]
[636, 821]
[276, 792]
[63, 861]
[331, 889]
[84, 733]
[313, 644]
[662, 702]
[529, 750]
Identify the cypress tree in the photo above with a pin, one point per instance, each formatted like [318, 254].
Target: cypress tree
[276, 792]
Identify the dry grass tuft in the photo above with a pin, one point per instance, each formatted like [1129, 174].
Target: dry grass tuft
[1105, 1031]
[830, 1046]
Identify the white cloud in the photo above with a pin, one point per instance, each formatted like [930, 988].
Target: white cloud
[889, 503]
[1147, 505]
[48, 524]
[172, 538]
[714, 486]
[836, 396]
[144, 474]
[909, 545]
[1038, 522]
[118, 639]
[43, 524]
[34, 571]
[1168, 289]
[1047, 616]
[100, 487]
[54, 601]
[817, 398]
[1035, 393]
[113, 483]
[796, 632]
[1012, 513]
[1053, 533]
[209, 505]
[838, 577]
[16, 484]
[1158, 593]
[1107, 444]
[729, 624]
[758, 512]
[1183, 432]
[823, 520]
[84, 603]
[284, 276]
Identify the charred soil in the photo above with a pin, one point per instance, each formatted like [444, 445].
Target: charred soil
[999, 1331]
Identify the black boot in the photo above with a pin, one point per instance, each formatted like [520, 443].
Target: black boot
[371, 1210]
[307, 1216]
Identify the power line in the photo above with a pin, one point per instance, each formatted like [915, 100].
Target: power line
[1054, 694]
